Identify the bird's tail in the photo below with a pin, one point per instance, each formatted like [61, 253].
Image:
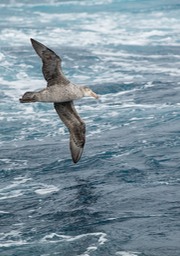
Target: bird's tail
[28, 97]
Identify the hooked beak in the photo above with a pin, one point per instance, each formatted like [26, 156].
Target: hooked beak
[94, 95]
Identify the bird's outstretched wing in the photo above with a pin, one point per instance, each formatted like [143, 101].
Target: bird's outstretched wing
[76, 126]
[51, 68]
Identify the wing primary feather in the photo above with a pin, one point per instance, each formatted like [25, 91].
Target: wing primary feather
[51, 68]
[76, 127]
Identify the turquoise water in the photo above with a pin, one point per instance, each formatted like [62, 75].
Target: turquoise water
[122, 198]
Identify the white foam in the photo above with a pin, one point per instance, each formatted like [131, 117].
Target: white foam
[12, 238]
[10, 243]
[3, 212]
[153, 28]
[56, 238]
[46, 189]
[2, 57]
[12, 194]
[127, 253]
[13, 163]
[15, 189]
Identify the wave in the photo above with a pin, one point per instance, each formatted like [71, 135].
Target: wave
[128, 253]
[90, 242]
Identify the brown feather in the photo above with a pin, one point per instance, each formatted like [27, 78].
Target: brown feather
[51, 68]
[76, 127]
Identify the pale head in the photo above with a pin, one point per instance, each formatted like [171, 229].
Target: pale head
[89, 93]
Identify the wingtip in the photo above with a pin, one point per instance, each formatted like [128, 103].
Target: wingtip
[76, 156]
[33, 40]
[75, 161]
[38, 47]
[76, 152]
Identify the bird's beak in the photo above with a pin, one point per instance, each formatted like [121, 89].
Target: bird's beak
[94, 95]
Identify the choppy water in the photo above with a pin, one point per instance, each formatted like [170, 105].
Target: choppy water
[122, 198]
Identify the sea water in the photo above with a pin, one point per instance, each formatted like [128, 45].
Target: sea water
[122, 198]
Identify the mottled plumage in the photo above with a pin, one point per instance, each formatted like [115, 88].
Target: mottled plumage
[51, 68]
[62, 92]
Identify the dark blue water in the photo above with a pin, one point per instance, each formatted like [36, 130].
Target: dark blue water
[122, 198]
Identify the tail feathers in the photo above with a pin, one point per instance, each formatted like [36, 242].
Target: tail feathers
[28, 97]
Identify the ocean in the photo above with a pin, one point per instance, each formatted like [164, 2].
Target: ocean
[123, 197]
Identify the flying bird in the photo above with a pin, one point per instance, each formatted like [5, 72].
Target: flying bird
[61, 92]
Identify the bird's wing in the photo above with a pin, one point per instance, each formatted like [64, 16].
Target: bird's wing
[76, 126]
[51, 68]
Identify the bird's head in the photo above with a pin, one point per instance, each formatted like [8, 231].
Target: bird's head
[89, 93]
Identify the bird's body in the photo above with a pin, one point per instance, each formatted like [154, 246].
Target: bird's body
[61, 92]
[55, 93]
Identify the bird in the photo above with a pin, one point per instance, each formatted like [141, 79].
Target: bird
[62, 93]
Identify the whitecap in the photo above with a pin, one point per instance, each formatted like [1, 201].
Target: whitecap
[14, 189]
[56, 238]
[3, 212]
[12, 238]
[2, 57]
[10, 243]
[9, 164]
[11, 194]
[21, 179]
[127, 253]
[46, 189]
